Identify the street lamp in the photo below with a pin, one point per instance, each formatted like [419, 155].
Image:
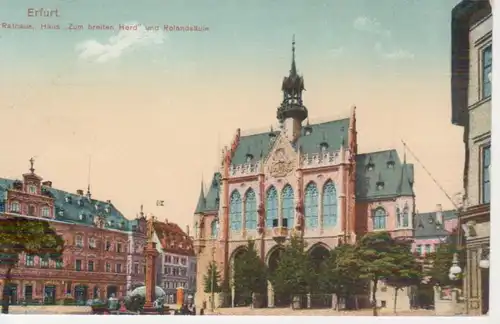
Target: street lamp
[212, 282]
[455, 269]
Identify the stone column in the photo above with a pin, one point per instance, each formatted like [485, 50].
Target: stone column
[308, 300]
[150, 280]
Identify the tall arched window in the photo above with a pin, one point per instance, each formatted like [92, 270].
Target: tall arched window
[399, 219]
[235, 211]
[311, 206]
[379, 218]
[250, 210]
[406, 217]
[329, 205]
[271, 206]
[214, 229]
[287, 208]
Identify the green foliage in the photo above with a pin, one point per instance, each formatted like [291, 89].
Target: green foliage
[250, 273]
[212, 279]
[341, 272]
[379, 256]
[406, 271]
[438, 264]
[294, 274]
[21, 235]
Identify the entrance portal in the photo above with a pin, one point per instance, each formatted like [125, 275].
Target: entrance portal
[241, 298]
[81, 294]
[318, 255]
[111, 291]
[13, 294]
[49, 295]
[281, 299]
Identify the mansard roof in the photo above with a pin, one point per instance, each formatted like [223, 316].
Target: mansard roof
[333, 133]
[79, 209]
[173, 239]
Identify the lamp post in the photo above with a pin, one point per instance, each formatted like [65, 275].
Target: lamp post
[455, 269]
[212, 282]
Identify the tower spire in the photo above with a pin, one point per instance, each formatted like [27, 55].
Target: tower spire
[89, 195]
[293, 69]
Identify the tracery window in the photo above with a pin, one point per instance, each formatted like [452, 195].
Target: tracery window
[250, 210]
[287, 208]
[235, 211]
[271, 206]
[329, 205]
[311, 206]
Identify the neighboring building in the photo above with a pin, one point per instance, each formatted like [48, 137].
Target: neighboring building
[175, 260]
[432, 229]
[301, 178]
[471, 28]
[97, 236]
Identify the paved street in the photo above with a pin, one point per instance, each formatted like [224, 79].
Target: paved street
[80, 310]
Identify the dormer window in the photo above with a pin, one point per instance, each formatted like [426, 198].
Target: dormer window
[107, 209]
[390, 164]
[111, 223]
[380, 183]
[323, 146]
[249, 158]
[96, 206]
[91, 218]
[32, 189]
[431, 220]
[68, 199]
[61, 213]
[82, 216]
[80, 202]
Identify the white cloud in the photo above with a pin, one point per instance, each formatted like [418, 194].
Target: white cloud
[118, 44]
[395, 54]
[336, 51]
[370, 25]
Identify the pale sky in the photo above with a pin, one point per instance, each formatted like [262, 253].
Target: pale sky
[153, 109]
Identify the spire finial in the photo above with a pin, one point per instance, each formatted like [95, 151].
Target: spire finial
[32, 162]
[293, 70]
[142, 211]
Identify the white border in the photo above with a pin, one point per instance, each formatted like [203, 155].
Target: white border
[494, 293]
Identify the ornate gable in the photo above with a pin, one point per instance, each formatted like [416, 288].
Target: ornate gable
[282, 159]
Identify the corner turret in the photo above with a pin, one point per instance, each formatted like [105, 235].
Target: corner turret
[200, 207]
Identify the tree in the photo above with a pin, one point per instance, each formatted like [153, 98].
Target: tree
[378, 259]
[438, 264]
[407, 271]
[250, 273]
[21, 235]
[341, 272]
[294, 274]
[212, 279]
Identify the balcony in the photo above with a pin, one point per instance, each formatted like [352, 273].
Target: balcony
[280, 234]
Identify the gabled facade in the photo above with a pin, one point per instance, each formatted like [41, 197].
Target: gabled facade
[103, 252]
[300, 178]
[176, 260]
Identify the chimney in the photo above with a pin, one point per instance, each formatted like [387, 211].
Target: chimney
[439, 214]
[47, 184]
[187, 230]
[166, 220]
[108, 201]
[79, 192]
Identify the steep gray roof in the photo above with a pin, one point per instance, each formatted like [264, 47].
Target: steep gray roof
[426, 225]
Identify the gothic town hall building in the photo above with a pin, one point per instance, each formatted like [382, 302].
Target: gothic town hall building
[307, 179]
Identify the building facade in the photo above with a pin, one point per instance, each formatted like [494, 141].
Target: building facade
[98, 257]
[175, 260]
[432, 229]
[301, 178]
[471, 108]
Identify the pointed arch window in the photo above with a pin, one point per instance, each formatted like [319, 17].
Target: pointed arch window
[287, 208]
[311, 206]
[250, 210]
[271, 206]
[399, 217]
[329, 205]
[213, 228]
[405, 217]
[235, 211]
[379, 219]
